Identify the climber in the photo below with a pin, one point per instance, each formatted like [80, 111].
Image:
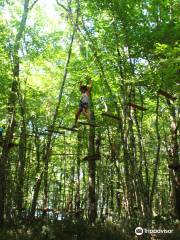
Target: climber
[84, 102]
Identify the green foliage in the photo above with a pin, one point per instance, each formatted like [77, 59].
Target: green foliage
[131, 50]
[168, 65]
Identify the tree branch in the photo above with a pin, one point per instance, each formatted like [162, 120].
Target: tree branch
[61, 5]
[32, 5]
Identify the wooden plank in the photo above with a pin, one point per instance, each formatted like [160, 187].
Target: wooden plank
[88, 124]
[106, 114]
[92, 157]
[63, 154]
[54, 131]
[166, 95]
[133, 105]
[175, 167]
[69, 129]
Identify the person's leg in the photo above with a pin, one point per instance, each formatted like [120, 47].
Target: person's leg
[78, 113]
[87, 113]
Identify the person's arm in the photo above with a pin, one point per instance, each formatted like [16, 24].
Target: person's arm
[80, 85]
[90, 86]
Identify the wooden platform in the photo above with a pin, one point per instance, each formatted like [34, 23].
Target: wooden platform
[110, 115]
[54, 131]
[92, 157]
[175, 167]
[135, 106]
[68, 128]
[166, 95]
[63, 154]
[88, 124]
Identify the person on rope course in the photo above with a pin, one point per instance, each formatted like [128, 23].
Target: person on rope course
[84, 102]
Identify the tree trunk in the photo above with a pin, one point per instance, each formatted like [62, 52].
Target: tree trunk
[21, 169]
[156, 164]
[22, 158]
[78, 168]
[175, 158]
[92, 173]
[12, 105]
[35, 195]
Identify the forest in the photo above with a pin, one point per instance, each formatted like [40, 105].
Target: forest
[89, 120]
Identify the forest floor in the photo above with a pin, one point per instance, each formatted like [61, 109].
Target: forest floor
[43, 229]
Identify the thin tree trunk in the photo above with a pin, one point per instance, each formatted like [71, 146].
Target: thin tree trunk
[156, 164]
[92, 172]
[12, 104]
[22, 158]
[175, 158]
[78, 168]
[35, 195]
